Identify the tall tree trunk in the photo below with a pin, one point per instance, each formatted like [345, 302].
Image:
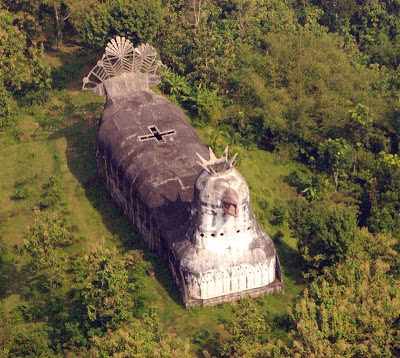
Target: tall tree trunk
[355, 160]
[58, 27]
[195, 7]
[336, 178]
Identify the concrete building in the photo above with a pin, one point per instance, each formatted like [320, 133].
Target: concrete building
[192, 208]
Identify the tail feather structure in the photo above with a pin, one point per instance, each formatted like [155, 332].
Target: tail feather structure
[121, 57]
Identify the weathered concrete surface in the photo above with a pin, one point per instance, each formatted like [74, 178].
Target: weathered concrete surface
[196, 215]
[228, 251]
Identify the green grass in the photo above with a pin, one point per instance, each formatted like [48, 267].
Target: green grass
[58, 140]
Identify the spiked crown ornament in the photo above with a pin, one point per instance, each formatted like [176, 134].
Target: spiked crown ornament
[215, 165]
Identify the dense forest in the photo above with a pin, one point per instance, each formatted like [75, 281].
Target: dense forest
[308, 93]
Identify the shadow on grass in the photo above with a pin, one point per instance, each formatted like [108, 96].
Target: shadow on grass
[165, 279]
[70, 64]
[80, 133]
[17, 279]
[290, 259]
[11, 278]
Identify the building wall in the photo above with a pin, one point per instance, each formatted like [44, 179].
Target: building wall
[230, 280]
[210, 288]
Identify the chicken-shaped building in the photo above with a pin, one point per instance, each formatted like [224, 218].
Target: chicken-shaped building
[191, 208]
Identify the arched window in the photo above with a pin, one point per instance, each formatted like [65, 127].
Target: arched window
[230, 202]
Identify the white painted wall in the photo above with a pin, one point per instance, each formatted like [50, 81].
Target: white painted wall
[235, 279]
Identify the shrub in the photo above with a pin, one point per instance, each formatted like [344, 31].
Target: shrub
[43, 243]
[248, 331]
[278, 214]
[30, 344]
[368, 326]
[21, 193]
[20, 189]
[51, 193]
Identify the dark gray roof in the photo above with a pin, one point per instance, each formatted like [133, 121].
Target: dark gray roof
[160, 174]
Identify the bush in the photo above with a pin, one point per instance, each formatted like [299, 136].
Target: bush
[50, 229]
[367, 327]
[138, 338]
[20, 189]
[278, 214]
[31, 344]
[197, 98]
[248, 331]
[21, 193]
[51, 193]
[207, 104]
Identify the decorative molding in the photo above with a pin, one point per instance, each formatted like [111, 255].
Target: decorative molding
[230, 280]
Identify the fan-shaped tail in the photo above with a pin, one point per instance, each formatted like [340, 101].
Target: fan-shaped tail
[121, 57]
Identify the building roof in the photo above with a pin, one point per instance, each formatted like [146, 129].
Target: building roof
[153, 149]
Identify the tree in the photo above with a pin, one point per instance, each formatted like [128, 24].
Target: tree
[248, 329]
[31, 343]
[376, 27]
[336, 156]
[44, 239]
[325, 232]
[351, 310]
[359, 128]
[337, 13]
[195, 11]
[96, 30]
[65, 9]
[139, 338]
[380, 247]
[139, 21]
[104, 288]
[23, 72]
[26, 17]
[296, 89]
[384, 195]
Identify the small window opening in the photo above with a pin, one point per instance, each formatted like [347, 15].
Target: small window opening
[221, 234]
[238, 231]
[230, 199]
[248, 228]
[213, 235]
[157, 134]
[202, 235]
[230, 208]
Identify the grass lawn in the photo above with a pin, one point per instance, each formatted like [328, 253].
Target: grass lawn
[58, 140]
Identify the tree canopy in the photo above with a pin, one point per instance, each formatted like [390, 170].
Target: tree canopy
[316, 83]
